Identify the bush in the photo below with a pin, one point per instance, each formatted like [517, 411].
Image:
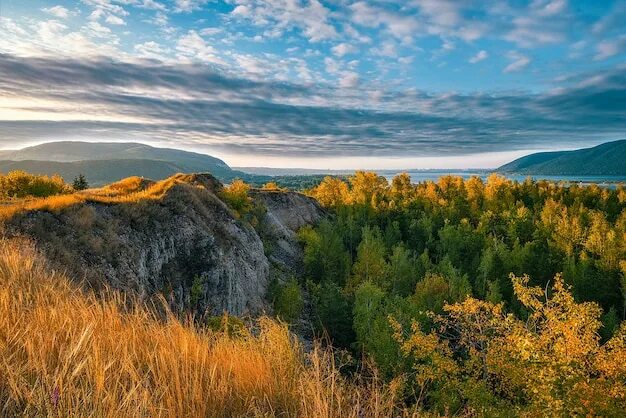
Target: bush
[287, 300]
[237, 197]
[19, 184]
[272, 186]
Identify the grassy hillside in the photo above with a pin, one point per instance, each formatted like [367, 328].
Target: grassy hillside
[605, 159]
[68, 353]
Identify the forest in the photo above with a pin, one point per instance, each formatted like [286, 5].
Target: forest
[448, 298]
[476, 295]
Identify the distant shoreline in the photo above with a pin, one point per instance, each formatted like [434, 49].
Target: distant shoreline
[434, 174]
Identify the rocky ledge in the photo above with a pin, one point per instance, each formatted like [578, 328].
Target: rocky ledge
[186, 245]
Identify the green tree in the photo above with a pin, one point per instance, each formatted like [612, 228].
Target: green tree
[402, 274]
[333, 311]
[325, 257]
[80, 183]
[288, 301]
[370, 264]
[373, 331]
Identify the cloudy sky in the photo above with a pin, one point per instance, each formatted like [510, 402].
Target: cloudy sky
[317, 83]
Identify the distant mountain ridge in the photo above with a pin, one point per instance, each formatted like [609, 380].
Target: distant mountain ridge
[70, 151]
[106, 162]
[608, 159]
[99, 172]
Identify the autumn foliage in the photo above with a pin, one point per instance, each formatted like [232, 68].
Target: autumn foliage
[481, 358]
[474, 297]
[19, 185]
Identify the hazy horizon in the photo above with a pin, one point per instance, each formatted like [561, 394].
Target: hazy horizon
[339, 164]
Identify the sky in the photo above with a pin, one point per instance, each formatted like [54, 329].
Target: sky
[336, 84]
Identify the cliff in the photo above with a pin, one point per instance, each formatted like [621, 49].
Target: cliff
[174, 238]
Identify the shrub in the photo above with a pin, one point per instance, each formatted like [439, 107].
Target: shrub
[287, 300]
[237, 197]
[19, 184]
[272, 186]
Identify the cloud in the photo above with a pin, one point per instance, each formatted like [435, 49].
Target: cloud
[550, 7]
[56, 38]
[241, 10]
[480, 56]
[152, 5]
[196, 104]
[386, 49]
[331, 65]
[211, 31]
[115, 20]
[151, 50]
[192, 46]
[400, 26]
[441, 12]
[518, 62]
[57, 11]
[311, 17]
[342, 49]
[530, 31]
[349, 79]
[188, 6]
[614, 20]
[98, 31]
[609, 48]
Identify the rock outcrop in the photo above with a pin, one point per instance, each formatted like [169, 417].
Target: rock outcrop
[186, 245]
[286, 213]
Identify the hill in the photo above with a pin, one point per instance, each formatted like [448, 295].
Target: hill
[147, 236]
[108, 162]
[87, 152]
[100, 172]
[66, 151]
[605, 159]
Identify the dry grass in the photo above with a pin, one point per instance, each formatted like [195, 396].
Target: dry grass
[64, 352]
[130, 190]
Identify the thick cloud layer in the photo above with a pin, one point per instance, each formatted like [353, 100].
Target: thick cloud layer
[197, 104]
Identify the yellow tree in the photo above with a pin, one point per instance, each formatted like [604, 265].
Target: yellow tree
[551, 364]
[367, 187]
[604, 242]
[556, 356]
[402, 191]
[331, 192]
[498, 191]
[272, 186]
[475, 193]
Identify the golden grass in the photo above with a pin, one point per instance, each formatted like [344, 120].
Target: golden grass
[130, 190]
[64, 352]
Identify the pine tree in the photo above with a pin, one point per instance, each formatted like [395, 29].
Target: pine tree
[80, 183]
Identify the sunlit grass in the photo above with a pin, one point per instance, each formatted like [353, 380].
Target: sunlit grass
[130, 190]
[64, 352]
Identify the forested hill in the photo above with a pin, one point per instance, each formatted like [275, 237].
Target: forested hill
[74, 151]
[606, 159]
[99, 172]
[107, 162]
